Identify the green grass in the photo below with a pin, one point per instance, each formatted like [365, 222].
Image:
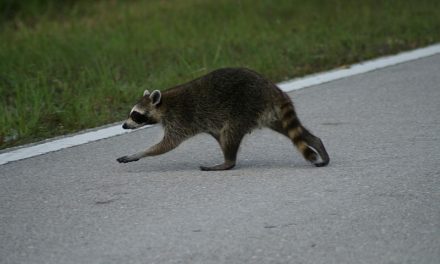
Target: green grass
[80, 64]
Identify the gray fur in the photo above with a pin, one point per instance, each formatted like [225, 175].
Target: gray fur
[227, 104]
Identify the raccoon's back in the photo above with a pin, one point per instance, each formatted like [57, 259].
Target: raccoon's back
[236, 91]
[234, 95]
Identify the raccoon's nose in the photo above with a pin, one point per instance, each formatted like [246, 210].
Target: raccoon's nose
[124, 126]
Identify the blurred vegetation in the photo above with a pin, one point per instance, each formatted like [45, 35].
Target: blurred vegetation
[70, 65]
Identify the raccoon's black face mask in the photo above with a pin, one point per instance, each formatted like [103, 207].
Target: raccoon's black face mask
[136, 120]
[139, 118]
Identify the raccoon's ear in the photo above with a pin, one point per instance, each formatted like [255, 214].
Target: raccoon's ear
[146, 92]
[155, 97]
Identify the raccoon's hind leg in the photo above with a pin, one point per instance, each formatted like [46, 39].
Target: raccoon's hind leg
[168, 143]
[229, 143]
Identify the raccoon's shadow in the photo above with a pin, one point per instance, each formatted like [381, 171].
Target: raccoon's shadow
[177, 166]
[195, 166]
[273, 164]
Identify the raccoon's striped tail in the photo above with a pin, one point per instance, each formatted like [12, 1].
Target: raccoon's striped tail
[309, 145]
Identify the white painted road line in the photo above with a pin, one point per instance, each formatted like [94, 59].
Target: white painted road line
[58, 144]
[295, 84]
[359, 68]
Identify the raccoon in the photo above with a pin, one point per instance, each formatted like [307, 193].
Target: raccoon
[227, 103]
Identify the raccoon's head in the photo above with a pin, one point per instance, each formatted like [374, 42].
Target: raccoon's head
[145, 111]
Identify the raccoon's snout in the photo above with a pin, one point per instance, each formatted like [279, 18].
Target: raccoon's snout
[129, 125]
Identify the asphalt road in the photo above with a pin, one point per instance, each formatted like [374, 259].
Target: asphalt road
[377, 202]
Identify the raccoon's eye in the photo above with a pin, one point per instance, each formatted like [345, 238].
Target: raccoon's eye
[139, 118]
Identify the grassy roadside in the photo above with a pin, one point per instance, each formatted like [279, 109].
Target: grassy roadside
[66, 67]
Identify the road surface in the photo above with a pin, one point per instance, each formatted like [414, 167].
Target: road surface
[377, 202]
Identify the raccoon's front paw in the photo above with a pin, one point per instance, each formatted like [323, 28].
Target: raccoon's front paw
[126, 159]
